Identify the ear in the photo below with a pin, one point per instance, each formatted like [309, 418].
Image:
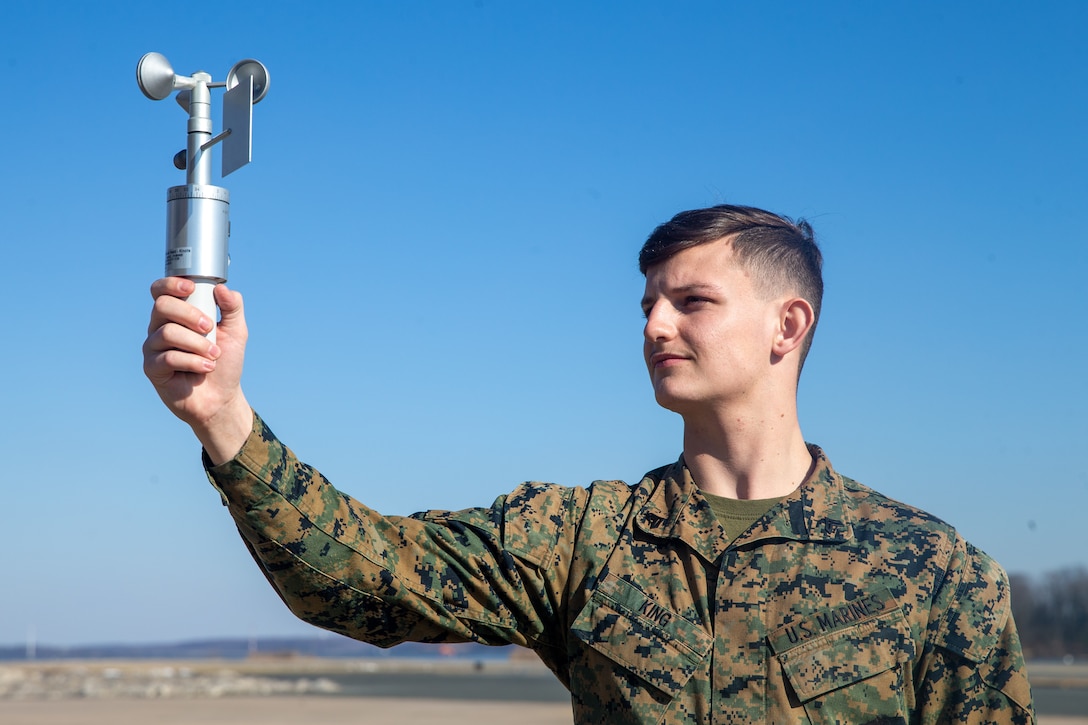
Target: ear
[795, 319]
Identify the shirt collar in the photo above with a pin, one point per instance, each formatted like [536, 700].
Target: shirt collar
[676, 509]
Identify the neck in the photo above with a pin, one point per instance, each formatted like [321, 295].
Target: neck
[747, 454]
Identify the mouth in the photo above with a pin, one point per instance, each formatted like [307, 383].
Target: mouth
[664, 359]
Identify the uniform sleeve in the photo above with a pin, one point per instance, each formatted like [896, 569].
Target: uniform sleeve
[972, 668]
[492, 575]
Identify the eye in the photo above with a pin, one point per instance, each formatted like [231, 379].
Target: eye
[695, 301]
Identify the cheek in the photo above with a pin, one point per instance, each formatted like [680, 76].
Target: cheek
[719, 339]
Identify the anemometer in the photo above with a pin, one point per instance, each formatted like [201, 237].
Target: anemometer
[198, 213]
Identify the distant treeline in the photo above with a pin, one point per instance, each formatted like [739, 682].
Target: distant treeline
[1051, 612]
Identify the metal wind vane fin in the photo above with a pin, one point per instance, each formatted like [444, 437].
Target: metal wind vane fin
[198, 213]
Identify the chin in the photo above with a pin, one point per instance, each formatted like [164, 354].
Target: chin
[671, 402]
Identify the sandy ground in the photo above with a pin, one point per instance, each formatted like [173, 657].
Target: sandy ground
[295, 710]
[247, 709]
[282, 711]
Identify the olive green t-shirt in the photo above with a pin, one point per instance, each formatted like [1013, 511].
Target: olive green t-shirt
[736, 515]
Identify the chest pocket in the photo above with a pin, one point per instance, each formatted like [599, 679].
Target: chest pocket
[644, 638]
[856, 673]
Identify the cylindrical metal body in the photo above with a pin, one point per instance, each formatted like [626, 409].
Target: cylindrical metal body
[197, 231]
[197, 236]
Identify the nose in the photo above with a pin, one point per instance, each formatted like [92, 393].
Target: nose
[659, 323]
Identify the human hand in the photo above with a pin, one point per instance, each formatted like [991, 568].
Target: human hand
[198, 380]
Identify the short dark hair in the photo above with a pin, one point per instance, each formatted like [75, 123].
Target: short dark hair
[780, 253]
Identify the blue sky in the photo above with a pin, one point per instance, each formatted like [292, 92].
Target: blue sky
[437, 242]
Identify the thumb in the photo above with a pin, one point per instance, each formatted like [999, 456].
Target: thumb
[229, 302]
[231, 311]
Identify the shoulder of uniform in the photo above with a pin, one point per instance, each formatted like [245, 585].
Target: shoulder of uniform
[969, 602]
[873, 508]
[623, 497]
[619, 491]
[973, 607]
[608, 505]
[915, 546]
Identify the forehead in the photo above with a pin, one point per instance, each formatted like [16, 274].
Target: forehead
[712, 263]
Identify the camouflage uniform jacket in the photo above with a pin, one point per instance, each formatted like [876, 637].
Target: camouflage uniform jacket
[838, 606]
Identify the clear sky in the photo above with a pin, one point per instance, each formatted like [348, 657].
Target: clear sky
[437, 242]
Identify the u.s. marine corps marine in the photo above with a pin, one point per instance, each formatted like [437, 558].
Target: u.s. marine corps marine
[748, 582]
[838, 605]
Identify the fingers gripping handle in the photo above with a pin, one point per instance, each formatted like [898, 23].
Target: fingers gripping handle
[203, 298]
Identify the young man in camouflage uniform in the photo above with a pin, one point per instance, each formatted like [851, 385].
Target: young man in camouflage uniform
[748, 582]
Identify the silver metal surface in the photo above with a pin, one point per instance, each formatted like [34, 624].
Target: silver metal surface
[250, 68]
[155, 76]
[198, 166]
[238, 119]
[197, 231]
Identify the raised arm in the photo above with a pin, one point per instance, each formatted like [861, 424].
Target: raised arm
[198, 380]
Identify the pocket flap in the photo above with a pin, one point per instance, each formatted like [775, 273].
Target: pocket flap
[621, 622]
[847, 655]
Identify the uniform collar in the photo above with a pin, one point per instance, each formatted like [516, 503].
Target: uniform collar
[675, 509]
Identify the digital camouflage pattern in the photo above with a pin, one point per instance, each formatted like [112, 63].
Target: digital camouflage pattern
[838, 606]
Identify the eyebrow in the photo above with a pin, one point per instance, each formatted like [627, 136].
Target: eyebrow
[685, 289]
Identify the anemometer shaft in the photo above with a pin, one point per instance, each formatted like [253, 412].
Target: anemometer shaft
[198, 161]
[198, 214]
